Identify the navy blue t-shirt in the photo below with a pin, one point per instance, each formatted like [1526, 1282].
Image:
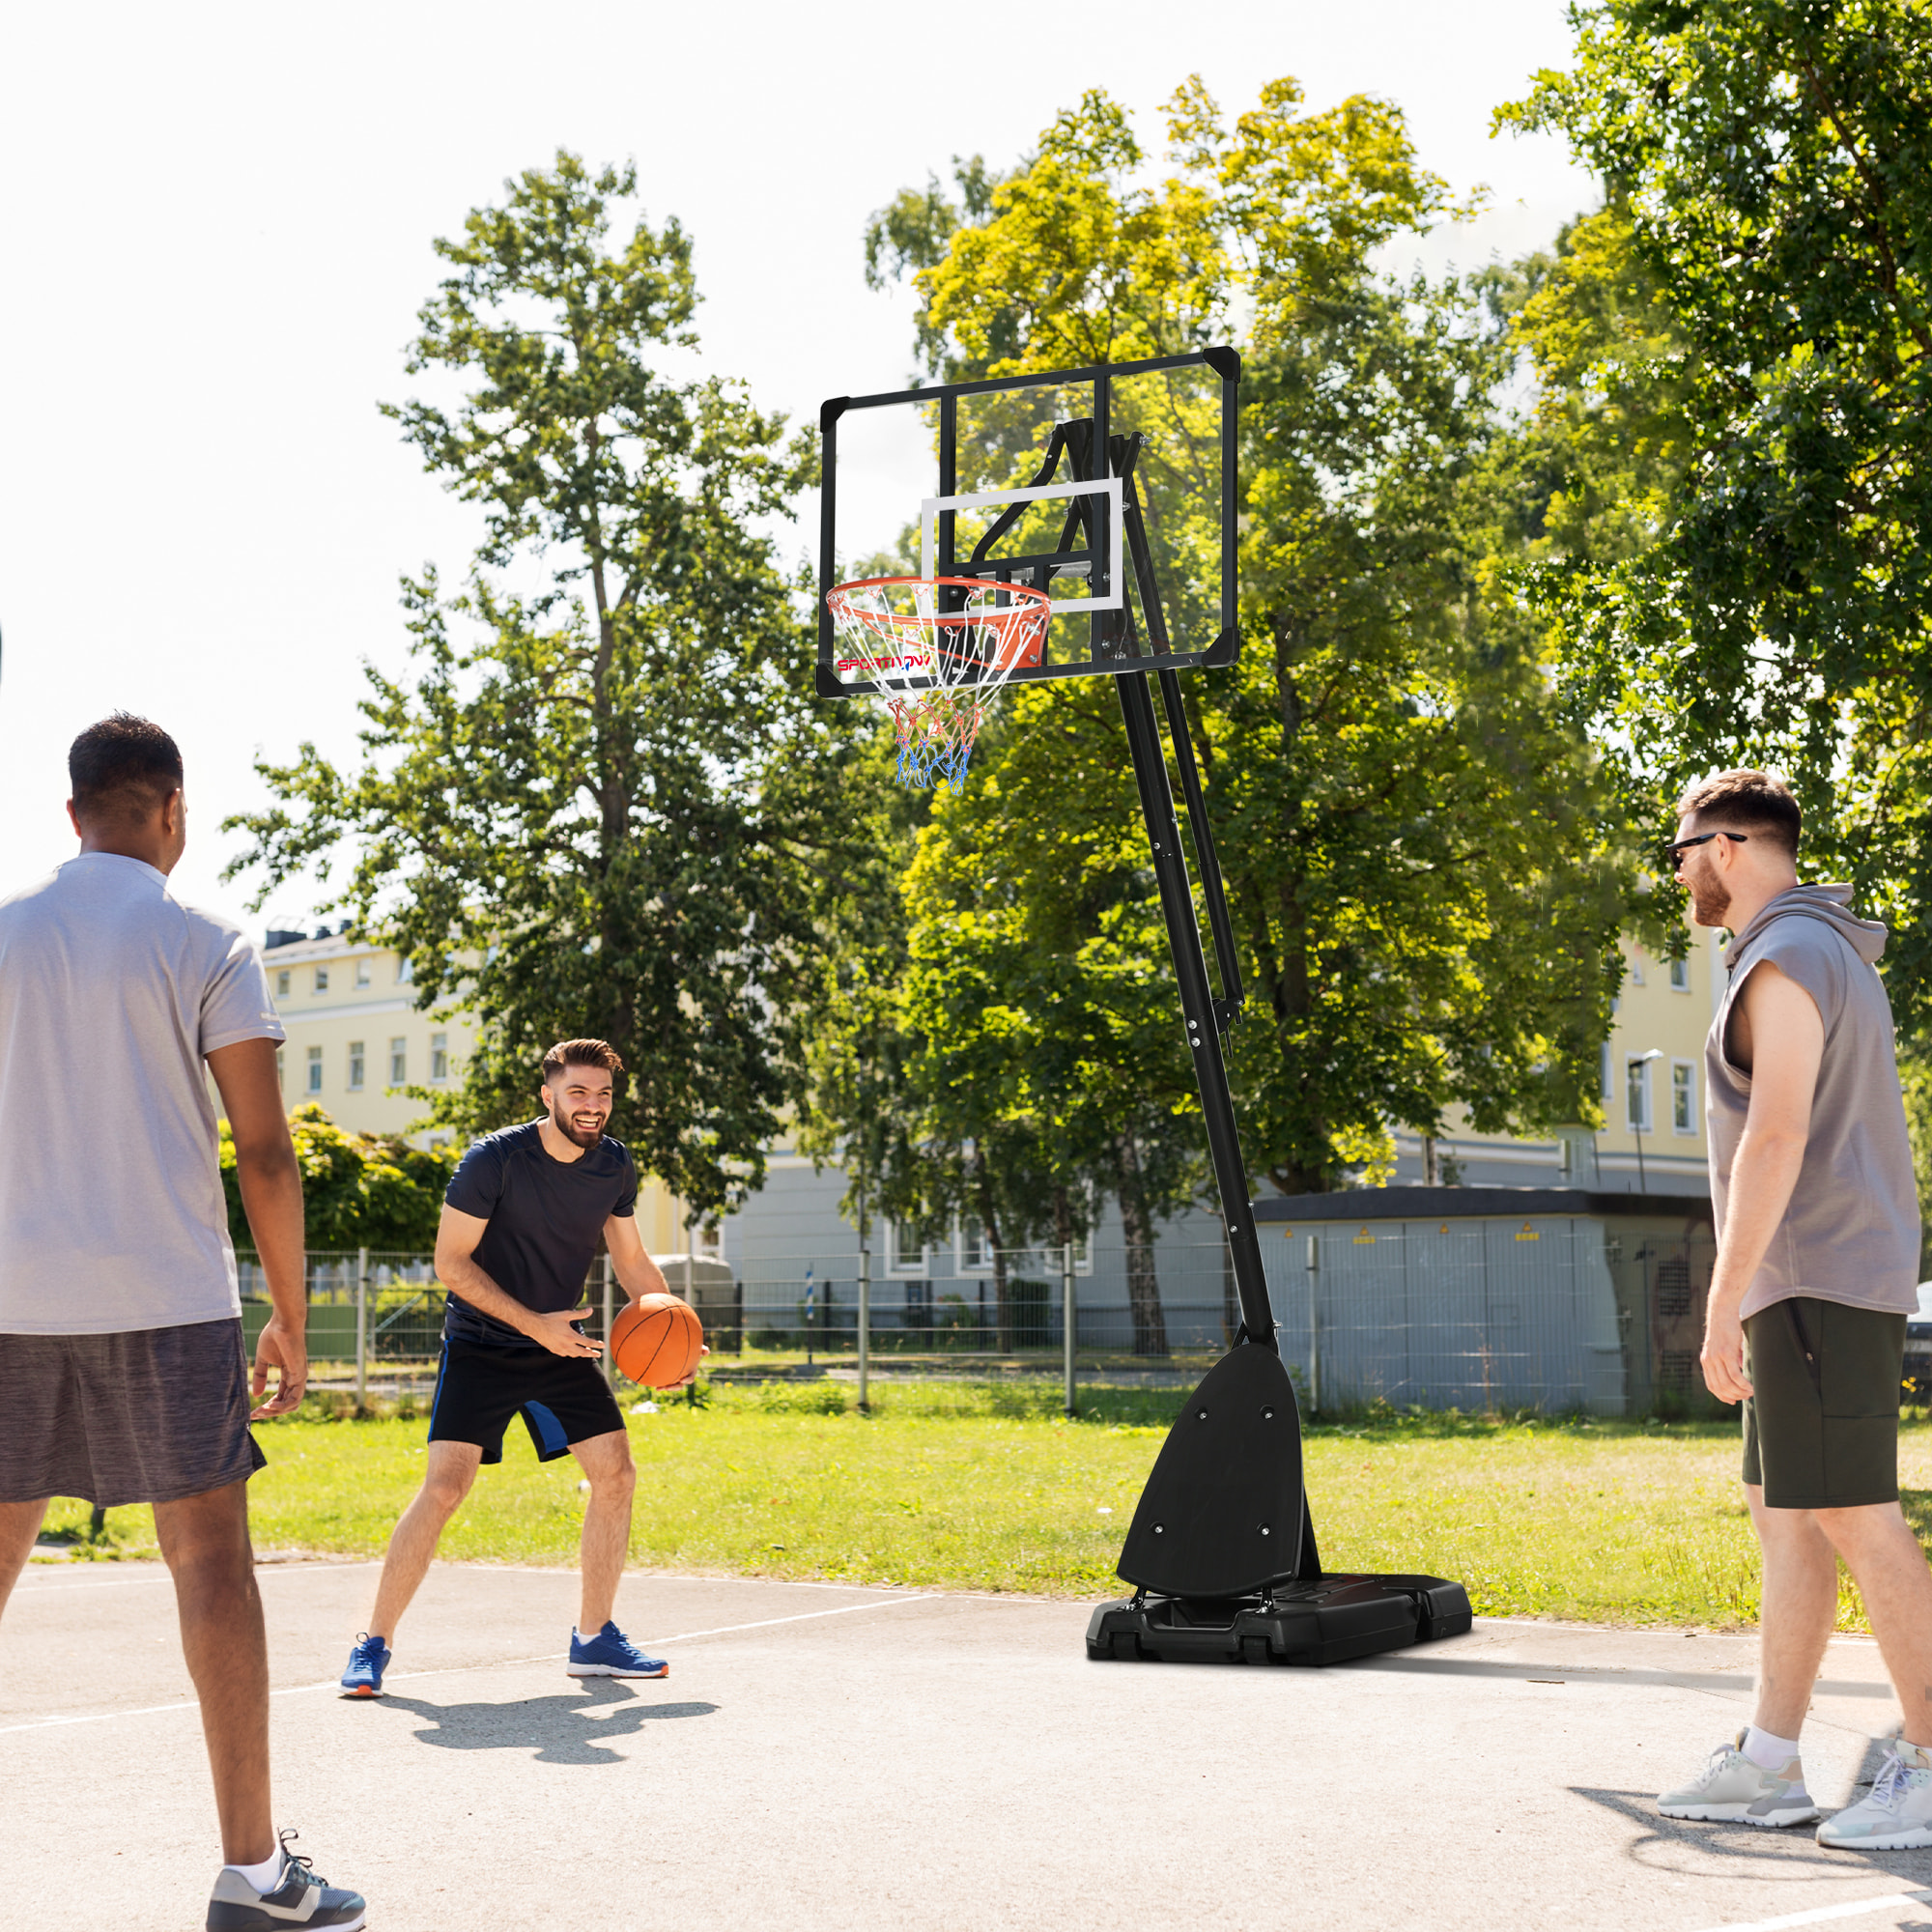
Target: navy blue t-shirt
[545, 1215]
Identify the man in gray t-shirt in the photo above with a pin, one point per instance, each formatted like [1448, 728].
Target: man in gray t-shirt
[1818, 1239]
[123, 1376]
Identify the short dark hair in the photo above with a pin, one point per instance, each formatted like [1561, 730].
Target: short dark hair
[1754, 802]
[124, 767]
[580, 1053]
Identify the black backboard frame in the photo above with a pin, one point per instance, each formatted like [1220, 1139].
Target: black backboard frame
[1223, 362]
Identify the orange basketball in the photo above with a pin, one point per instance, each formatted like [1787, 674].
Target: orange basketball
[655, 1341]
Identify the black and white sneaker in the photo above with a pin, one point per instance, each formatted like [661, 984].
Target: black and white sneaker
[300, 1898]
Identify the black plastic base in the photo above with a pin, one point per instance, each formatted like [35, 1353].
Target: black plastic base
[1327, 1621]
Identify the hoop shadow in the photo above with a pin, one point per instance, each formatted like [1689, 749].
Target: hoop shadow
[558, 1730]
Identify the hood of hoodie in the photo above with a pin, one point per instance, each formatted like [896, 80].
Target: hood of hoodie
[1866, 937]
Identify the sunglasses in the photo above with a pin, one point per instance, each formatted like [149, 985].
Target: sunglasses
[1673, 853]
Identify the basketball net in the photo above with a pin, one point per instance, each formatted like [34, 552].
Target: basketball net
[937, 670]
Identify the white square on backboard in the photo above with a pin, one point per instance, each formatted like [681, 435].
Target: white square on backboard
[1117, 528]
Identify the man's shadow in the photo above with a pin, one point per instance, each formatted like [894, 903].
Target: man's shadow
[1699, 1848]
[559, 1731]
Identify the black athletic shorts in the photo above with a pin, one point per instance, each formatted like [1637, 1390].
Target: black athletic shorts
[562, 1399]
[1821, 1426]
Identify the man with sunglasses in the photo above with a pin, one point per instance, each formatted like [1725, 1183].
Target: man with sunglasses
[1818, 1242]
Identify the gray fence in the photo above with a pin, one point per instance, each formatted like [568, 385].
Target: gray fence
[1554, 1313]
[1173, 1298]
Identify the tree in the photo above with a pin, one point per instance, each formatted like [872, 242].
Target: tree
[1425, 902]
[1038, 1008]
[1771, 161]
[609, 809]
[1591, 474]
[358, 1190]
[859, 1111]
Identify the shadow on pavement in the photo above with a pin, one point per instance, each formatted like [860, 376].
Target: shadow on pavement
[1593, 1673]
[1695, 1849]
[559, 1731]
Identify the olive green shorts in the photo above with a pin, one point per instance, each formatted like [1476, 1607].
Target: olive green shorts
[1821, 1426]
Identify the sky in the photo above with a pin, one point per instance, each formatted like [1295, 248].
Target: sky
[215, 229]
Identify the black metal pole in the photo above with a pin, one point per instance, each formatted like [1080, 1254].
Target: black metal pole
[1197, 1005]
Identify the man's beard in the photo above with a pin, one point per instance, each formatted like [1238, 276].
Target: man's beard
[584, 1137]
[1709, 900]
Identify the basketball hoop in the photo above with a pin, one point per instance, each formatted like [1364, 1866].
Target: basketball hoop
[937, 668]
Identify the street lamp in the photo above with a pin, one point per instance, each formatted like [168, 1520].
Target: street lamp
[1637, 1117]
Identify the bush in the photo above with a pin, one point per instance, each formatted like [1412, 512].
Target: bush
[358, 1190]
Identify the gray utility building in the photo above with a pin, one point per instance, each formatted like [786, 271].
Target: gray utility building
[1558, 1298]
[1562, 1299]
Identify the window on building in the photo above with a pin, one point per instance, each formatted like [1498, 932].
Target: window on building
[321, 978]
[971, 1246]
[1683, 1097]
[357, 1061]
[1635, 972]
[1636, 1095]
[905, 1252]
[1607, 1090]
[399, 1063]
[282, 980]
[1679, 976]
[405, 973]
[363, 976]
[315, 1070]
[439, 1057]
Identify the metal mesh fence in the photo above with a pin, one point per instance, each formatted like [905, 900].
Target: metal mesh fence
[1147, 1304]
[402, 1318]
[1552, 1313]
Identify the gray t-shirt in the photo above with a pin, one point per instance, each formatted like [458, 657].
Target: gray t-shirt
[111, 995]
[1851, 1232]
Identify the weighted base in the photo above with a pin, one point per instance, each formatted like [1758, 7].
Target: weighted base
[1327, 1621]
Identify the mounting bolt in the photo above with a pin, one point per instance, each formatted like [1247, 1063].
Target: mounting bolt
[1200, 1415]
[1264, 1529]
[1268, 1414]
[1160, 1530]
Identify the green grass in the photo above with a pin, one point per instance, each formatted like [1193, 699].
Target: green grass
[990, 1488]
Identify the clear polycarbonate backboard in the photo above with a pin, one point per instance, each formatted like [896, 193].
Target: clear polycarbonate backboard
[1111, 490]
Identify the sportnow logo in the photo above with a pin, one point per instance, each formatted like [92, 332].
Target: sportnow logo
[871, 666]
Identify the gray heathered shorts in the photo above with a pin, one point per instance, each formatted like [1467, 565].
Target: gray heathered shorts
[148, 1416]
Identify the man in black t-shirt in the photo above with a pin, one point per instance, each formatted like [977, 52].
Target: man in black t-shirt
[520, 1223]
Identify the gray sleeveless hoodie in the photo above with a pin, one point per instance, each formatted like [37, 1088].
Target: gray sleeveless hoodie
[1851, 1233]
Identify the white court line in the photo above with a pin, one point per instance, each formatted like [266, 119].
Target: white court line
[452, 1669]
[1854, 1908]
[166, 1577]
[308, 1569]
[111, 1583]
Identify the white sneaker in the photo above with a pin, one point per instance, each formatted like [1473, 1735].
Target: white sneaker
[1897, 1816]
[1732, 1790]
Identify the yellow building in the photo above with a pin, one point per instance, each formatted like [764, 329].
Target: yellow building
[357, 1040]
[1651, 1074]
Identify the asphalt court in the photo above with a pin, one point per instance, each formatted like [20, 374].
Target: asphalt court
[823, 1756]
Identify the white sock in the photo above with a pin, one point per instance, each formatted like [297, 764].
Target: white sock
[264, 1876]
[1767, 1753]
